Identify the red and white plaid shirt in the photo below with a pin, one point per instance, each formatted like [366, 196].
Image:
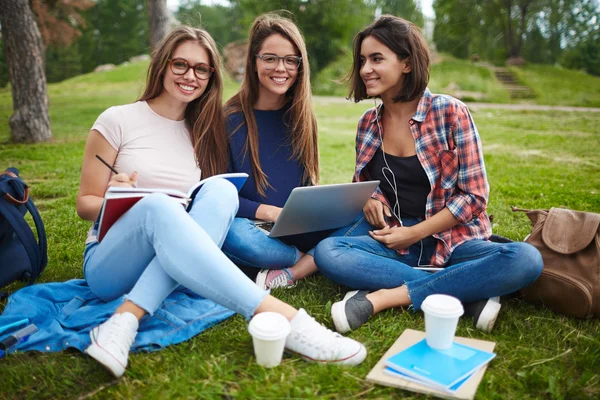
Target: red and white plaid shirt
[449, 149]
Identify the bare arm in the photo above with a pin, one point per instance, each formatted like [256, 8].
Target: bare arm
[267, 212]
[96, 178]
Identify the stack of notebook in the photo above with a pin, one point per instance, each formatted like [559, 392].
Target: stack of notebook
[453, 373]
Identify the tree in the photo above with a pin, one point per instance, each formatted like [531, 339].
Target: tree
[514, 17]
[25, 59]
[406, 9]
[60, 21]
[159, 20]
[220, 20]
[328, 26]
[116, 30]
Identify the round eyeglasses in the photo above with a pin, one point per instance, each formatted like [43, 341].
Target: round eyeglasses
[270, 61]
[179, 66]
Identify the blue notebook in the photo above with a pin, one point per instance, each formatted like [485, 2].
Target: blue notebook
[441, 369]
[451, 389]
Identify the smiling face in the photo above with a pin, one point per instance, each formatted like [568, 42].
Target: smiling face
[274, 83]
[188, 87]
[381, 71]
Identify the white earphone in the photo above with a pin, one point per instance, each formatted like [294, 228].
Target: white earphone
[396, 208]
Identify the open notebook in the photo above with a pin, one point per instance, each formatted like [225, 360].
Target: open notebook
[118, 200]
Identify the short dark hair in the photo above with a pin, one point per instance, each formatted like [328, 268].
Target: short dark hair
[404, 39]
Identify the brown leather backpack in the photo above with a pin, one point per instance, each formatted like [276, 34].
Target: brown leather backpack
[570, 245]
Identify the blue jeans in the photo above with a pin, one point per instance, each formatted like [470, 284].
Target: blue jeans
[248, 246]
[157, 246]
[477, 269]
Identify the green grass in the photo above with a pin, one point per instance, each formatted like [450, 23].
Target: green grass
[534, 160]
[468, 76]
[559, 86]
[552, 85]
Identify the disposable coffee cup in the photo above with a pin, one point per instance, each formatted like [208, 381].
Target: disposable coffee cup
[269, 331]
[441, 318]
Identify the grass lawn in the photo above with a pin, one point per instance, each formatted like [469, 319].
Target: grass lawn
[534, 160]
[468, 76]
[559, 86]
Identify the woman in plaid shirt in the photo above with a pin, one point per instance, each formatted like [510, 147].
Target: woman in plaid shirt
[425, 230]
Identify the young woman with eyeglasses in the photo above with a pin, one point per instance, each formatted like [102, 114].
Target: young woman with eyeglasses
[166, 139]
[426, 229]
[272, 137]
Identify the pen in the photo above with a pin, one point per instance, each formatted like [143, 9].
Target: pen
[107, 164]
[22, 340]
[18, 337]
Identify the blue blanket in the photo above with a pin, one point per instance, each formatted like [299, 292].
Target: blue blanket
[65, 313]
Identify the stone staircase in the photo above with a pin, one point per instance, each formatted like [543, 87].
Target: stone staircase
[511, 83]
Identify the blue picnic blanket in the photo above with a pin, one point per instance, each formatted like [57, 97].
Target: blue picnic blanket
[65, 312]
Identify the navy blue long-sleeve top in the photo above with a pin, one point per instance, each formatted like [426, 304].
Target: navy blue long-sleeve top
[284, 172]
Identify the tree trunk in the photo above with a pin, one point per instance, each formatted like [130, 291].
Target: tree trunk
[23, 50]
[159, 21]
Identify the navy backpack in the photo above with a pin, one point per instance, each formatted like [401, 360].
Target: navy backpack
[22, 257]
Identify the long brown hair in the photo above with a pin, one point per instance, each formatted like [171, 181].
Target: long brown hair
[404, 39]
[204, 116]
[301, 117]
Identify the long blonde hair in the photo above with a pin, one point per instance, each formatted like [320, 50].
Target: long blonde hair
[204, 116]
[300, 115]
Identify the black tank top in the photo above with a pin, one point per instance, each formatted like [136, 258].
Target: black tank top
[411, 182]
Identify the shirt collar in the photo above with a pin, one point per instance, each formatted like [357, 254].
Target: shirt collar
[422, 108]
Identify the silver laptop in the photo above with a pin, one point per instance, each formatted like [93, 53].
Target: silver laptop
[318, 208]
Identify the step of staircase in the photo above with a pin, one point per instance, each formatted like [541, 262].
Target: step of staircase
[516, 89]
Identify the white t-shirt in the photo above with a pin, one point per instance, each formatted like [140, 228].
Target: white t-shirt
[159, 149]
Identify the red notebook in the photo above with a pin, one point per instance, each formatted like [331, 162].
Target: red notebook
[117, 200]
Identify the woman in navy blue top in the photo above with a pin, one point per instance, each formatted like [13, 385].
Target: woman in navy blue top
[273, 137]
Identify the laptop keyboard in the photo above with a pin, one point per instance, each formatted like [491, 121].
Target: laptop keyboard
[265, 226]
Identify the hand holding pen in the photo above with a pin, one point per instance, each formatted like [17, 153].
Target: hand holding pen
[120, 179]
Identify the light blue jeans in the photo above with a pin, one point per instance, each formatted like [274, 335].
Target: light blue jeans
[248, 246]
[477, 269]
[157, 246]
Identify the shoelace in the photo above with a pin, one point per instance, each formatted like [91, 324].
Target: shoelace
[280, 280]
[321, 338]
[117, 333]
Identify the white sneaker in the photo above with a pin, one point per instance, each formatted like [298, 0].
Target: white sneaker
[112, 340]
[484, 313]
[313, 342]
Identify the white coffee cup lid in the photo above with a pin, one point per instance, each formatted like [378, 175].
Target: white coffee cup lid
[269, 326]
[442, 306]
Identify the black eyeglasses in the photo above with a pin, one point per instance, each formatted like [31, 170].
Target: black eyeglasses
[270, 61]
[179, 66]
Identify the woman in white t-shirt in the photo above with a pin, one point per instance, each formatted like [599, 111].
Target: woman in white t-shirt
[175, 131]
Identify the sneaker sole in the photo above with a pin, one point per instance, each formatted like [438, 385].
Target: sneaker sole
[354, 359]
[261, 279]
[105, 358]
[488, 316]
[338, 314]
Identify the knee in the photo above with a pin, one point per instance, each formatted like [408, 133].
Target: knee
[239, 243]
[529, 261]
[157, 202]
[327, 255]
[226, 192]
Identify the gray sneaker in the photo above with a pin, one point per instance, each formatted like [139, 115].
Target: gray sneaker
[352, 312]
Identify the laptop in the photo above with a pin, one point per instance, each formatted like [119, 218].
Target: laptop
[319, 208]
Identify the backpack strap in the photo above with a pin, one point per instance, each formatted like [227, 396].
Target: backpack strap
[41, 232]
[25, 235]
[36, 249]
